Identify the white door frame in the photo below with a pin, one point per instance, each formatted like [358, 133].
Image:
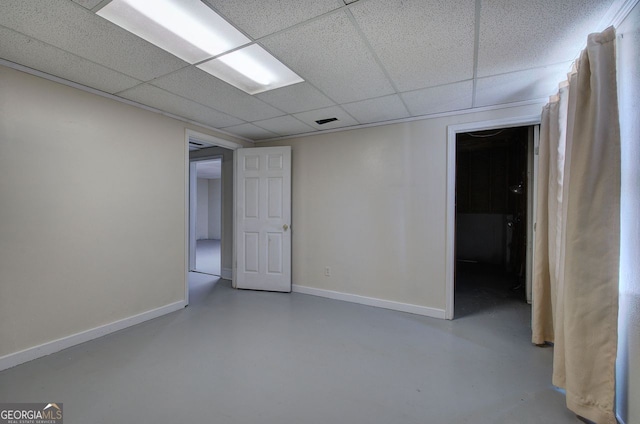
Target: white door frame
[191, 135]
[450, 230]
[532, 203]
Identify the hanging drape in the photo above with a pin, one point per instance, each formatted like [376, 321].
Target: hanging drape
[575, 283]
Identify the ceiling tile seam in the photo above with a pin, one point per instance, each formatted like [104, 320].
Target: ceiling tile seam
[540, 101]
[548, 65]
[86, 9]
[95, 91]
[250, 123]
[348, 114]
[117, 93]
[224, 53]
[223, 16]
[476, 48]
[100, 5]
[395, 94]
[303, 123]
[190, 100]
[308, 21]
[376, 58]
[307, 110]
[169, 73]
[433, 86]
[282, 137]
[73, 54]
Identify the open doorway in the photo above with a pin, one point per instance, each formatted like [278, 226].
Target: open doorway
[218, 235]
[493, 203]
[208, 216]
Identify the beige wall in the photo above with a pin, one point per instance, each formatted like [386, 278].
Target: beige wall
[92, 211]
[370, 204]
[628, 378]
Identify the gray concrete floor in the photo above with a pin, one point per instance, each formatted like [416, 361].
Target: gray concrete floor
[256, 357]
[208, 256]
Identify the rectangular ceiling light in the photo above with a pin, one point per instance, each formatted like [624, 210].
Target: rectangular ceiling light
[186, 28]
[251, 69]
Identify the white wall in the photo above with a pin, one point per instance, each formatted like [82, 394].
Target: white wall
[208, 208]
[215, 208]
[92, 230]
[370, 204]
[628, 376]
[202, 209]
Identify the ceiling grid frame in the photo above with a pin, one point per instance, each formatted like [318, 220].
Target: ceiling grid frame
[375, 56]
[517, 82]
[476, 45]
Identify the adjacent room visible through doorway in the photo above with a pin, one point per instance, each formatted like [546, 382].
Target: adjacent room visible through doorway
[491, 233]
[208, 216]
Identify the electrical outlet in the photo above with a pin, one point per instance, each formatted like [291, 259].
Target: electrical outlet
[327, 271]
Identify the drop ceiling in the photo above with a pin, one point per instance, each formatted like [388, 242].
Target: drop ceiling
[363, 62]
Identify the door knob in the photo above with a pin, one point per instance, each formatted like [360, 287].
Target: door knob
[285, 227]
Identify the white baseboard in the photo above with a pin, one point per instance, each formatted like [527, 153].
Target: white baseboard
[226, 273]
[17, 358]
[372, 301]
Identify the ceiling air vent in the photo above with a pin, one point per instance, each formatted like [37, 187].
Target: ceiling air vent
[197, 145]
[325, 121]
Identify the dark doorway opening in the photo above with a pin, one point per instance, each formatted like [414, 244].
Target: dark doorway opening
[491, 218]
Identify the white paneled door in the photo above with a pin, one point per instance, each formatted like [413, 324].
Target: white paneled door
[263, 218]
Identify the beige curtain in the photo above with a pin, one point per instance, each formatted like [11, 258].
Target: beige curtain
[575, 286]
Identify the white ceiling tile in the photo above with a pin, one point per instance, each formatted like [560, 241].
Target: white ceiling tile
[445, 98]
[89, 4]
[310, 118]
[261, 17]
[251, 131]
[421, 43]
[522, 34]
[377, 110]
[35, 54]
[296, 98]
[65, 25]
[519, 86]
[208, 90]
[330, 54]
[284, 125]
[167, 102]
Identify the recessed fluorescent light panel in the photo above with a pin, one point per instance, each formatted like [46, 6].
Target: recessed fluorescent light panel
[251, 69]
[192, 31]
[186, 28]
